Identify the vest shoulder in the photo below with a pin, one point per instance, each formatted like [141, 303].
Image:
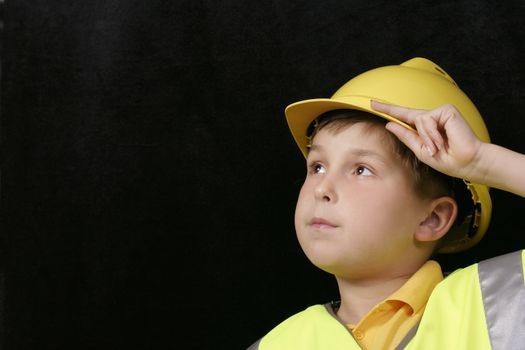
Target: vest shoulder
[466, 279]
[307, 330]
[461, 275]
[454, 316]
[298, 320]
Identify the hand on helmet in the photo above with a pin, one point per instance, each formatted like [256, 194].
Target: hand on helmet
[443, 140]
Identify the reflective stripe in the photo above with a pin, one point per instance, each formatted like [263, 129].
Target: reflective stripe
[503, 291]
[330, 308]
[255, 346]
[408, 337]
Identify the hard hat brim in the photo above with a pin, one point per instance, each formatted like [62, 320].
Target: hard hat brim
[300, 115]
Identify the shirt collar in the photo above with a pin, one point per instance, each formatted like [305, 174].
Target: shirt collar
[416, 291]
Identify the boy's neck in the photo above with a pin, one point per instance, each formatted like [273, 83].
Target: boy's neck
[359, 297]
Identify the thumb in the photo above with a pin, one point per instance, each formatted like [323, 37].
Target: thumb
[411, 139]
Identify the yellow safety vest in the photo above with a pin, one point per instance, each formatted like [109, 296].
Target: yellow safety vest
[478, 307]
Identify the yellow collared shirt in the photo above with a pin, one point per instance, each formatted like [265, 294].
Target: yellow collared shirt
[389, 321]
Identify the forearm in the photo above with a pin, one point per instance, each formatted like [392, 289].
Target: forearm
[501, 168]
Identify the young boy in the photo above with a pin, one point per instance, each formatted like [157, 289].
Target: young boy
[381, 195]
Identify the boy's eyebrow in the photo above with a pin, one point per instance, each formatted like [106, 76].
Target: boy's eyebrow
[314, 148]
[361, 152]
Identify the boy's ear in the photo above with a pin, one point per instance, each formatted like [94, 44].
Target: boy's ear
[442, 214]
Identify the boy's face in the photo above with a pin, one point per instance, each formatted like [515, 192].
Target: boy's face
[357, 211]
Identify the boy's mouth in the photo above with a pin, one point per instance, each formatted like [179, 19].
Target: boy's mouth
[321, 223]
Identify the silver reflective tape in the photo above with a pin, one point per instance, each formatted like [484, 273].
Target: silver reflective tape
[408, 337]
[503, 292]
[255, 346]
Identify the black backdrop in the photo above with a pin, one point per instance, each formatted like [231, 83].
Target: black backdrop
[148, 177]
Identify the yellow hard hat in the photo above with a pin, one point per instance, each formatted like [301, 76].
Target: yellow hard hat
[416, 83]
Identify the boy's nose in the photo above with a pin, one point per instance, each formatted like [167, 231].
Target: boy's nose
[324, 191]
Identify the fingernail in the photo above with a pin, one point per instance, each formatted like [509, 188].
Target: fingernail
[429, 150]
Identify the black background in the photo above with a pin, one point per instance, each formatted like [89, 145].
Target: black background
[148, 178]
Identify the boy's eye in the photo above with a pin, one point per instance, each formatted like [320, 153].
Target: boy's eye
[318, 168]
[364, 171]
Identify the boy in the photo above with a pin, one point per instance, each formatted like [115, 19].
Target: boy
[372, 215]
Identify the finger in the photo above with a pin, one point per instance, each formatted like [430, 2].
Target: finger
[430, 146]
[411, 139]
[402, 113]
[425, 138]
[431, 128]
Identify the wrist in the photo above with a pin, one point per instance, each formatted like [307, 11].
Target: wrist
[482, 164]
